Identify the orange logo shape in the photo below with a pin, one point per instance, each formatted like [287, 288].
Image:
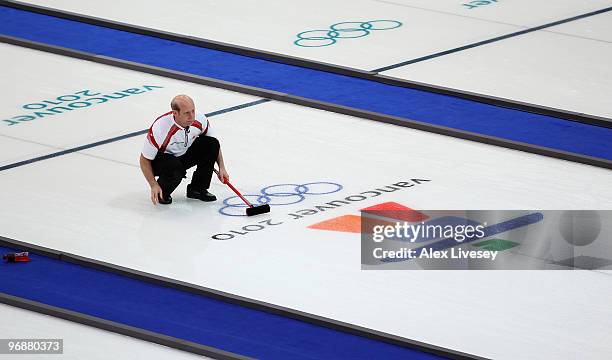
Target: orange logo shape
[345, 223]
[352, 223]
[396, 211]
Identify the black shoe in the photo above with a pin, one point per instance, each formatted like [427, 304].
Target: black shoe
[202, 194]
[165, 200]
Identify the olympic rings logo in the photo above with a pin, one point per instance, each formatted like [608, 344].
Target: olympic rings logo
[343, 30]
[281, 194]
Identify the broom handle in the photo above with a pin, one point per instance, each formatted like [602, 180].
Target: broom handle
[226, 182]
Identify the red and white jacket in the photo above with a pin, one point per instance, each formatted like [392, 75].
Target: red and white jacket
[166, 136]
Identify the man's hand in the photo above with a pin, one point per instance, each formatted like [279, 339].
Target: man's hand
[147, 171]
[156, 194]
[222, 174]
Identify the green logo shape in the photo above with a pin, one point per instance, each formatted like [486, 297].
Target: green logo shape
[497, 244]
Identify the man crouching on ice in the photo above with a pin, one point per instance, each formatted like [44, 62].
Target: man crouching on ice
[177, 141]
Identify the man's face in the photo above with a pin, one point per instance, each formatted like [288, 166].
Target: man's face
[186, 115]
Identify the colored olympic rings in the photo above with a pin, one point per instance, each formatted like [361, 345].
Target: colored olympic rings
[281, 194]
[343, 30]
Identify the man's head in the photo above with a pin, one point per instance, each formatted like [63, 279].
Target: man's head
[183, 110]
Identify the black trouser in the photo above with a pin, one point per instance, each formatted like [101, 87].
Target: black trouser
[171, 169]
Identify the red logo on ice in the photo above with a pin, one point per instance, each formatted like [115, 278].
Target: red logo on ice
[352, 223]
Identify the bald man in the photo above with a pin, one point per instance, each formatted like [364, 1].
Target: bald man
[177, 141]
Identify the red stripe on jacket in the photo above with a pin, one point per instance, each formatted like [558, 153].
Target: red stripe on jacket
[150, 133]
[152, 139]
[171, 133]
